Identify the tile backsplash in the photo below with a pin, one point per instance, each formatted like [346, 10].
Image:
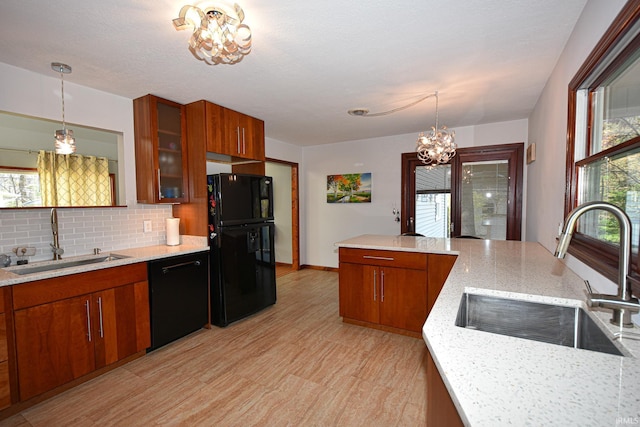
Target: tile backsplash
[81, 229]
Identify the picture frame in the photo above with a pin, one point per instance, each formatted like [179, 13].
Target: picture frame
[349, 188]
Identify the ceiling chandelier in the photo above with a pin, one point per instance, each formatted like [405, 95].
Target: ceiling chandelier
[436, 146]
[219, 36]
[65, 143]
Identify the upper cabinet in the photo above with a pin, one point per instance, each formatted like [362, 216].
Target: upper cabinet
[161, 150]
[243, 136]
[226, 131]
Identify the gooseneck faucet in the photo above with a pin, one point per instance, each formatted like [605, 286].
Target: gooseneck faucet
[55, 246]
[623, 305]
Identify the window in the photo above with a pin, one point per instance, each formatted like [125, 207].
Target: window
[603, 153]
[19, 188]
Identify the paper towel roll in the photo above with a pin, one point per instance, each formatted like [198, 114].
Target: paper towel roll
[173, 231]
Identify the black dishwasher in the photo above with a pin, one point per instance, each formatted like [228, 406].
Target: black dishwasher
[179, 296]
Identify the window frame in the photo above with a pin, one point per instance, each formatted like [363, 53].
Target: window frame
[601, 256]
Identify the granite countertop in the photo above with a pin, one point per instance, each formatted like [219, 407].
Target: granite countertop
[133, 255]
[499, 380]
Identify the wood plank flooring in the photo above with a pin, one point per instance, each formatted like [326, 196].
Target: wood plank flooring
[293, 364]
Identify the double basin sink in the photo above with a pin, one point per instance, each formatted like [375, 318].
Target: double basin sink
[57, 265]
[554, 324]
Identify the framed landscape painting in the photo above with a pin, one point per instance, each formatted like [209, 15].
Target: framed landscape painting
[349, 188]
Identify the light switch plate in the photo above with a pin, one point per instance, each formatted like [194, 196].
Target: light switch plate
[147, 225]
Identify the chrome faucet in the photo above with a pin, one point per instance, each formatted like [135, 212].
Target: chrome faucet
[55, 246]
[623, 304]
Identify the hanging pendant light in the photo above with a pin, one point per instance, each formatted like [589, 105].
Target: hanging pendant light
[436, 146]
[65, 143]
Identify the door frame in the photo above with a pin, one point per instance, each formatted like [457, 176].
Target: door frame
[295, 211]
[513, 153]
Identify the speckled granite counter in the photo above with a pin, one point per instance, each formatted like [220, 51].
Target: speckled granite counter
[133, 255]
[497, 380]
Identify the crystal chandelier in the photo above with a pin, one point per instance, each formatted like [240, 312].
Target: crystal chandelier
[219, 36]
[65, 143]
[436, 146]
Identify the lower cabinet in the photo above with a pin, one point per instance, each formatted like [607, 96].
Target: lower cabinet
[441, 410]
[70, 326]
[388, 296]
[390, 289]
[5, 386]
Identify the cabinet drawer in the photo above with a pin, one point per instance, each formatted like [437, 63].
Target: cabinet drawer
[398, 259]
[58, 288]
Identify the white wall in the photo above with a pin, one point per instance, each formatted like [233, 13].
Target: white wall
[329, 223]
[548, 130]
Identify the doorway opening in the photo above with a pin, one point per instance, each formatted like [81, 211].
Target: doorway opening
[287, 214]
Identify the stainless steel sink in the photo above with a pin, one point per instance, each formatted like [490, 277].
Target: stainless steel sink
[554, 324]
[57, 265]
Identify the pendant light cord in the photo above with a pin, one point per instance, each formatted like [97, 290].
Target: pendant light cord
[363, 112]
[62, 92]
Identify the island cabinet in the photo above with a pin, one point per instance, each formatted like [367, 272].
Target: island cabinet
[391, 290]
[161, 150]
[70, 326]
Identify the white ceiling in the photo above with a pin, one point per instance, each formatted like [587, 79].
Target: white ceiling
[311, 60]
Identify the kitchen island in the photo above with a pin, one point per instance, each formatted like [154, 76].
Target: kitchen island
[498, 380]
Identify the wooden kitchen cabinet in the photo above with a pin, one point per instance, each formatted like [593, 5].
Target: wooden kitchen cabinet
[70, 326]
[226, 131]
[391, 290]
[385, 289]
[161, 150]
[441, 411]
[5, 383]
[243, 135]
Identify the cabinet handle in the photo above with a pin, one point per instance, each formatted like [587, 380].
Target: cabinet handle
[384, 258]
[381, 285]
[244, 151]
[100, 317]
[238, 138]
[375, 277]
[166, 269]
[159, 188]
[86, 304]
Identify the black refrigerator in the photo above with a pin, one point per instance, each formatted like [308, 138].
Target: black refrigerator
[241, 233]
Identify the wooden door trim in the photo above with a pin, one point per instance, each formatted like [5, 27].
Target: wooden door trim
[295, 211]
[514, 153]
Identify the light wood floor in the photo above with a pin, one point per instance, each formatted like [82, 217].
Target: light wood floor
[294, 364]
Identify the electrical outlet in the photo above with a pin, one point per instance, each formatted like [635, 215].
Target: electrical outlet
[147, 225]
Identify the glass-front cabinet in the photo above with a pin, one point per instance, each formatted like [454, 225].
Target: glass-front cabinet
[161, 161]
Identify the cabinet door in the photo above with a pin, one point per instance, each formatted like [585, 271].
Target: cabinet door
[252, 137]
[243, 135]
[54, 344]
[403, 298]
[121, 322]
[359, 293]
[160, 145]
